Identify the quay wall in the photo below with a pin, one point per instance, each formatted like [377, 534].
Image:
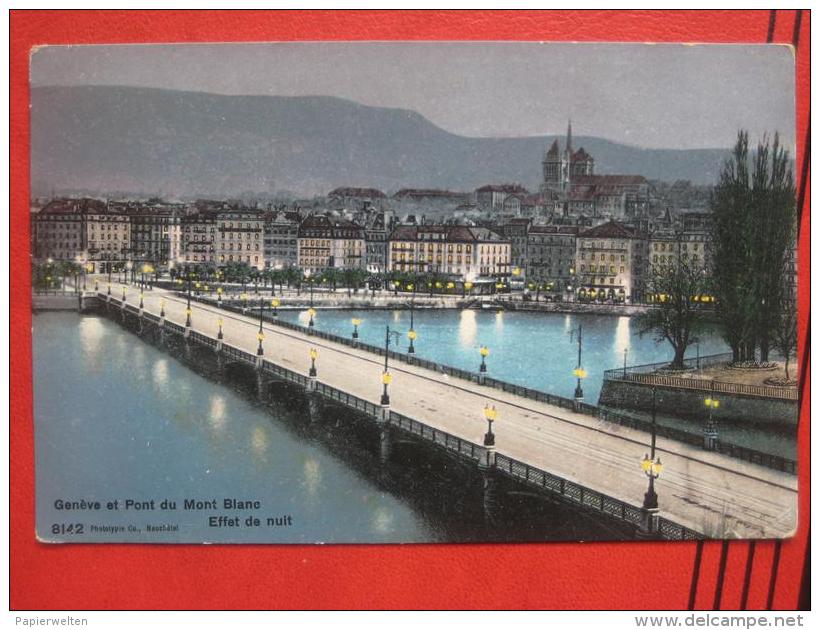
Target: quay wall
[690, 403]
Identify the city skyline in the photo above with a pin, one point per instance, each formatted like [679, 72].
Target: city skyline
[653, 96]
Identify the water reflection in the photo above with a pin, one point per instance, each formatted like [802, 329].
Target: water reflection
[621, 337]
[92, 334]
[160, 373]
[312, 479]
[467, 329]
[259, 444]
[382, 520]
[216, 413]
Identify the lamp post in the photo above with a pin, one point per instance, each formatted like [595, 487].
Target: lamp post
[355, 321]
[579, 371]
[142, 303]
[651, 466]
[219, 326]
[387, 378]
[219, 297]
[244, 297]
[313, 354]
[484, 351]
[490, 413]
[411, 334]
[261, 335]
[188, 307]
[710, 432]
[311, 313]
[162, 307]
[626, 353]
[123, 294]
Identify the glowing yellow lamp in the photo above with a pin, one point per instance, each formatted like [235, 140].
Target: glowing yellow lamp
[412, 335]
[387, 378]
[484, 351]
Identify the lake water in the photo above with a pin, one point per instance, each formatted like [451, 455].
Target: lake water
[532, 349]
[124, 429]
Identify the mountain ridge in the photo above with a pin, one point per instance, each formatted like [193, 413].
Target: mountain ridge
[110, 138]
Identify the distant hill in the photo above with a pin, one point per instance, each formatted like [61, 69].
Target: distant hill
[191, 143]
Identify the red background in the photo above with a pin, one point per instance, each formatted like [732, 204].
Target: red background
[549, 575]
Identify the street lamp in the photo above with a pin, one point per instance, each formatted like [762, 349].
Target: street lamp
[219, 326]
[626, 353]
[313, 354]
[651, 466]
[128, 267]
[261, 335]
[123, 294]
[386, 376]
[710, 432]
[244, 298]
[162, 307]
[411, 335]
[491, 414]
[141, 300]
[188, 308]
[274, 304]
[484, 351]
[579, 371]
[355, 321]
[219, 297]
[311, 313]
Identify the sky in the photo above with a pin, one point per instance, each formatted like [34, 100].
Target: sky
[650, 95]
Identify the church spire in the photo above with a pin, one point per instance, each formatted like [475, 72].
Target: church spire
[569, 136]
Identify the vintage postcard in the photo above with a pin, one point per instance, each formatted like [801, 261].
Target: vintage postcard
[413, 292]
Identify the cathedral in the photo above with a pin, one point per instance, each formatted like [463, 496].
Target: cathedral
[561, 168]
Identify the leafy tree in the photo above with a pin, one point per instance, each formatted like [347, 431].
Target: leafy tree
[752, 227]
[677, 287]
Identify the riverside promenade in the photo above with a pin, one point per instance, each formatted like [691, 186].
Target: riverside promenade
[708, 493]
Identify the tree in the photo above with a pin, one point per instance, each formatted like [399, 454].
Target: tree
[677, 287]
[786, 336]
[752, 227]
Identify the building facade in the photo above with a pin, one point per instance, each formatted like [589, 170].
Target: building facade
[611, 263]
[551, 257]
[330, 243]
[198, 237]
[239, 237]
[465, 252]
[108, 236]
[281, 234]
[58, 229]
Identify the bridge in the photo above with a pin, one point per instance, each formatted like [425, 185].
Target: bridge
[574, 457]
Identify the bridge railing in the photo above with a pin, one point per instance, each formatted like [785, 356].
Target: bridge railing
[688, 437]
[761, 458]
[349, 400]
[652, 374]
[588, 498]
[448, 441]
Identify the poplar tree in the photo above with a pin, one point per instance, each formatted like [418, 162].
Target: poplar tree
[753, 215]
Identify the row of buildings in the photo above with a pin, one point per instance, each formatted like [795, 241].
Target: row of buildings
[610, 259]
[570, 188]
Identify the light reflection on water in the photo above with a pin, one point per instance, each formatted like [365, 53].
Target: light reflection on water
[538, 350]
[147, 426]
